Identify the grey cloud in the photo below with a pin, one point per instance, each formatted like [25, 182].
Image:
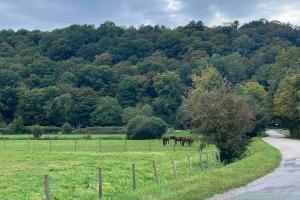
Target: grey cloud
[47, 15]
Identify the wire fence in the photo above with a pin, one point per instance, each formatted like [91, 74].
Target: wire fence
[99, 145]
[205, 162]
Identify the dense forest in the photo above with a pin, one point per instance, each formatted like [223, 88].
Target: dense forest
[103, 76]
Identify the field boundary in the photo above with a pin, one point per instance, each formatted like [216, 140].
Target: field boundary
[262, 159]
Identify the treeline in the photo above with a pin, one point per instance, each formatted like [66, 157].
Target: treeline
[105, 76]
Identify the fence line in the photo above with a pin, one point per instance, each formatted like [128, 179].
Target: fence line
[47, 189]
[155, 172]
[174, 169]
[90, 145]
[134, 176]
[100, 179]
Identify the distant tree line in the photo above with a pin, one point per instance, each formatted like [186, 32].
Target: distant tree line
[111, 75]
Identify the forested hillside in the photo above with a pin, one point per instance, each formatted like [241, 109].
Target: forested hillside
[100, 76]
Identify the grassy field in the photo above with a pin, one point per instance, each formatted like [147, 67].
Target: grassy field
[72, 167]
[82, 136]
[64, 137]
[73, 175]
[261, 160]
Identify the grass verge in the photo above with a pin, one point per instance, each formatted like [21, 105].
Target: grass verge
[261, 160]
[284, 132]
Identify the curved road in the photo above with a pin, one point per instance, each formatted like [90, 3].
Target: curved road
[282, 184]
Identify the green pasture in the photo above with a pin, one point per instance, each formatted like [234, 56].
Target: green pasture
[74, 174]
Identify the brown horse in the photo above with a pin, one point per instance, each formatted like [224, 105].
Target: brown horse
[178, 139]
[182, 140]
[187, 140]
[165, 140]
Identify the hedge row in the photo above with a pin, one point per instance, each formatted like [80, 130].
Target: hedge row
[54, 130]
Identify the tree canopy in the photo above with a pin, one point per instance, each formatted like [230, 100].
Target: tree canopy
[85, 75]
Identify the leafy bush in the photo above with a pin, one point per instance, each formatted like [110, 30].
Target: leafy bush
[36, 131]
[5, 131]
[66, 128]
[140, 110]
[142, 127]
[45, 129]
[223, 118]
[102, 130]
[17, 125]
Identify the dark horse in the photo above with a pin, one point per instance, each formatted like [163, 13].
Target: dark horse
[182, 140]
[165, 140]
[187, 140]
[177, 139]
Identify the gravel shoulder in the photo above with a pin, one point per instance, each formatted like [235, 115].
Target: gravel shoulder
[283, 183]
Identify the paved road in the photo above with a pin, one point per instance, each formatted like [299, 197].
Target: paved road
[282, 184]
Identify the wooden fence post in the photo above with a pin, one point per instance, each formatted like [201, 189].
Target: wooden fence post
[174, 168]
[201, 160]
[125, 144]
[219, 156]
[133, 178]
[28, 147]
[174, 148]
[100, 183]
[47, 189]
[50, 143]
[149, 145]
[4, 144]
[155, 173]
[100, 145]
[75, 144]
[190, 166]
[207, 159]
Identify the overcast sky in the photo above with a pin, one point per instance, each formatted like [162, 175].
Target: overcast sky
[51, 14]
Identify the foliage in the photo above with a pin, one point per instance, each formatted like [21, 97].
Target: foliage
[17, 125]
[107, 113]
[36, 131]
[222, 118]
[142, 127]
[66, 128]
[209, 80]
[140, 110]
[257, 98]
[128, 91]
[58, 76]
[287, 102]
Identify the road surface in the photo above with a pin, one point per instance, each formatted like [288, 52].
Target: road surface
[282, 184]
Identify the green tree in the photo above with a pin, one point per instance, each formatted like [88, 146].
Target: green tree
[17, 125]
[66, 128]
[98, 78]
[9, 97]
[209, 80]
[32, 104]
[236, 68]
[257, 98]
[128, 91]
[36, 131]
[142, 127]
[84, 103]
[103, 59]
[60, 109]
[287, 102]
[107, 113]
[168, 84]
[224, 119]
[140, 110]
[287, 62]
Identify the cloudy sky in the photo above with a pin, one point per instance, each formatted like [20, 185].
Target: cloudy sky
[51, 14]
